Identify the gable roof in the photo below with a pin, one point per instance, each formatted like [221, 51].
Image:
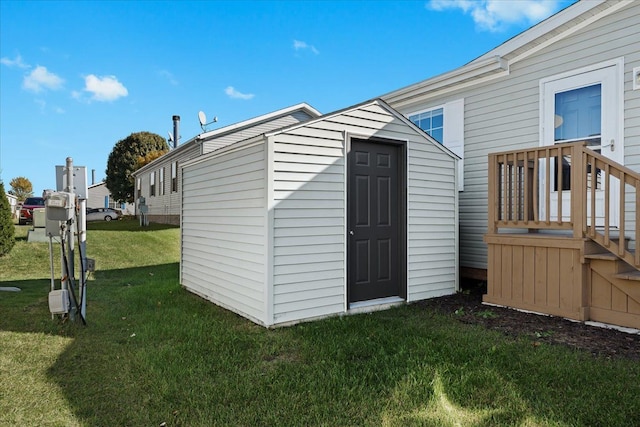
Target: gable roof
[376, 101]
[236, 127]
[497, 61]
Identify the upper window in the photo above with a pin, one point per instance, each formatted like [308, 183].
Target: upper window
[445, 124]
[174, 176]
[578, 115]
[161, 181]
[432, 122]
[152, 184]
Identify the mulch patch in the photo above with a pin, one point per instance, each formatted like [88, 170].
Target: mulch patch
[467, 307]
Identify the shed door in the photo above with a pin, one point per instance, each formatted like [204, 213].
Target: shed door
[375, 215]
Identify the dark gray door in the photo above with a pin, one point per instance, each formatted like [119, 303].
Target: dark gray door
[374, 216]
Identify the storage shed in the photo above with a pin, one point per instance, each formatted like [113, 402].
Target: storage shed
[353, 211]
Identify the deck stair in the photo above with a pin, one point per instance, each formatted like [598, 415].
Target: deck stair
[564, 263]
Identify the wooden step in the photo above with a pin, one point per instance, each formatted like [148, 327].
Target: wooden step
[628, 275]
[606, 256]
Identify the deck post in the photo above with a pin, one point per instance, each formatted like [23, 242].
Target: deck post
[492, 199]
[578, 197]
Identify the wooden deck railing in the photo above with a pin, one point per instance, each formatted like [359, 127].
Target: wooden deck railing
[566, 187]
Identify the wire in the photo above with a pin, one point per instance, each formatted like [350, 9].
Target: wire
[71, 282]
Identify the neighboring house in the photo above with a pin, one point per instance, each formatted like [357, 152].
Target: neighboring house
[348, 212]
[159, 181]
[573, 78]
[13, 204]
[99, 196]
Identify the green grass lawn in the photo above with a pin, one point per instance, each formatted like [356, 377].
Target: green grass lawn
[153, 353]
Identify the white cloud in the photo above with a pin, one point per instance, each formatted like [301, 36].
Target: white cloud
[300, 45]
[496, 15]
[168, 76]
[233, 93]
[16, 62]
[40, 78]
[106, 88]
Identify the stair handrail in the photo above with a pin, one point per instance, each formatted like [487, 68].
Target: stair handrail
[518, 199]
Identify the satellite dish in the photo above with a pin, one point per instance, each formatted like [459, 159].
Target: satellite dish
[203, 120]
[170, 139]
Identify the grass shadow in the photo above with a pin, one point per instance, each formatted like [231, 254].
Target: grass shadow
[127, 224]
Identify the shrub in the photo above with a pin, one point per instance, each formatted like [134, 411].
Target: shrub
[7, 229]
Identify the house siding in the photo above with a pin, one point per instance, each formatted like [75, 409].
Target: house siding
[215, 143]
[503, 114]
[96, 195]
[223, 230]
[165, 208]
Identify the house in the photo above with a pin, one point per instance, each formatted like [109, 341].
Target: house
[352, 211]
[548, 129]
[159, 181]
[13, 204]
[99, 196]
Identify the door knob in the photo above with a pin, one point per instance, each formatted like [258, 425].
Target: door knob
[351, 232]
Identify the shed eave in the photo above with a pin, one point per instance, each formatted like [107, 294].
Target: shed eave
[303, 106]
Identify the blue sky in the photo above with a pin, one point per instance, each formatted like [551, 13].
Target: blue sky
[78, 76]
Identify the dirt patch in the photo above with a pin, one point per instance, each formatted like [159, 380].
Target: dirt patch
[467, 307]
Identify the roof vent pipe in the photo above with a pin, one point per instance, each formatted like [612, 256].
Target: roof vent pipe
[176, 128]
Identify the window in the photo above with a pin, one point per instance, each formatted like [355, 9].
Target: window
[431, 122]
[577, 118]
[161, 182]
[174, 177]
[583, 106]
[152, 184]
[138, 189]
[445, 124]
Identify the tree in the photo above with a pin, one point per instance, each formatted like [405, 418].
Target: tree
[7, 229]
[149, 157]
[123, 161]
[21, 187]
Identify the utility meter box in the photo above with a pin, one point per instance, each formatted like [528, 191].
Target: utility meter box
[39, 218]
[59, 301]
[60, 206]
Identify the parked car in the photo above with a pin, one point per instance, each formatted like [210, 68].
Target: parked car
[102, 214]
[26, 211]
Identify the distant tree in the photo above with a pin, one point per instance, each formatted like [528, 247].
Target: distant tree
[7, 229]
[21, 187]
[123, 161]
[149, 157]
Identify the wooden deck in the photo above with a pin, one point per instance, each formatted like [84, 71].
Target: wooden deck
[562, 239]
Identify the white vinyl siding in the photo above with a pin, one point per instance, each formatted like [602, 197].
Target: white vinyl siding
[503, 114]
[213, 144]
[165, 204]
[223, 230]
[452, 130]
[309, 224]
[310, 218]
[432, 222]
[263, 220]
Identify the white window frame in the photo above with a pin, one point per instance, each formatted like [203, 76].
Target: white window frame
[453, 131]
[174, 177]
[161, 181]
[152, 184]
